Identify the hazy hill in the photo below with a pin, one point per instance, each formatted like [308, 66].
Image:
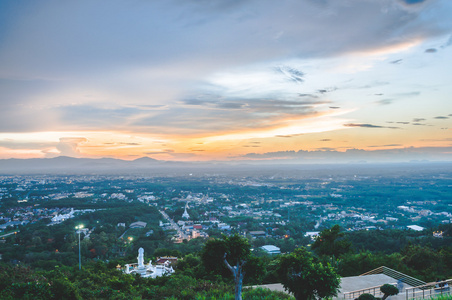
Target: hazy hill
[149, 166]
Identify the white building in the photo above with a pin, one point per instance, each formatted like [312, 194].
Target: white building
[63, 217]
[270, 249]
[138, 224]
[312, 234]
[416, 227]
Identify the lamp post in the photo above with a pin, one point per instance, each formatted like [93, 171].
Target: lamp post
[79, 227]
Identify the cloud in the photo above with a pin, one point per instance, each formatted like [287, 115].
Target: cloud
[162, 33]
[363, 125]
[65, 146]
[416, 120]
[368, 126]
[431, 50]
[308, 95]
[411, 2]
[208, 114]
[25, 145]
[395, 62]
[327, 90]
[441, 117]
[291, 73]
[388, 145]
[355, 155]
[230, 105]
[68, 146]
[408, 94]
[325, 140]
[448, 43]
[397, 96]
[385, 101]
[100, 117]
[289, 135]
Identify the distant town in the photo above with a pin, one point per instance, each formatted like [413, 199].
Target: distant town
[270, 206]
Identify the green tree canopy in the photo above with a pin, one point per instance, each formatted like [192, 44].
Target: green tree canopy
[307, 278]
[366, 297]
[331, 242]
[388, 290]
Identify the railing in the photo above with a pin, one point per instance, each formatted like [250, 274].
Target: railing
[396, 275]
[431, 289]
[375, 290]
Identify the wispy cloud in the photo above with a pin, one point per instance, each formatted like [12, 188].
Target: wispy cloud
[416, 120]
[291, 73]
[358, 155]
[395, 62]
[368, 126]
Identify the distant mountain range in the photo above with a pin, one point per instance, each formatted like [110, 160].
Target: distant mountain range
[69, 165]
[64, 165]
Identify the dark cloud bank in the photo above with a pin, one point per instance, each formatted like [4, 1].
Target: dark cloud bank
[358, 155]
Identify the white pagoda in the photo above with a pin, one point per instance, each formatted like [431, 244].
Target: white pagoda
[148, 270]
[185, 215]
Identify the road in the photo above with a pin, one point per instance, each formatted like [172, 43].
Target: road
[174, 225]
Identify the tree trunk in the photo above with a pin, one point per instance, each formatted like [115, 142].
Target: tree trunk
[237, 272]
[238, 282]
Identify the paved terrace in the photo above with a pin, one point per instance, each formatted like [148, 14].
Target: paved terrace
[349, 284]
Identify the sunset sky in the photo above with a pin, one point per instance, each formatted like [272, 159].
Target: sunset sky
[195, 80]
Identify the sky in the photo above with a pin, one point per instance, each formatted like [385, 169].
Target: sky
[198, 80]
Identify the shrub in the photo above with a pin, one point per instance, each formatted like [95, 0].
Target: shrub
[388, 290]
[366, 297]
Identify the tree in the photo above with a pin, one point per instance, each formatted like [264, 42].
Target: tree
[366, 297]
[230, 253]
[388, 290]
[307, 278]
[330, 242]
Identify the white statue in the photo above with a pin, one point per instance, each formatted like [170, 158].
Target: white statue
[141, 258]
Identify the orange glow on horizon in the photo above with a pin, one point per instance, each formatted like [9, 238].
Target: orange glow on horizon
[317, 134]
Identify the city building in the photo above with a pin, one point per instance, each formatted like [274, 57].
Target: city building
[271, 249]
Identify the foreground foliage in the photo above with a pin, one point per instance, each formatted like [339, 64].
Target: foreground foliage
[102, 281]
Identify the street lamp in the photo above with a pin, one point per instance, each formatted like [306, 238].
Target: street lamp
[79, 227]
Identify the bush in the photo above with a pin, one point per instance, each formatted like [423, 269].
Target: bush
[366, 297]
[388, 290]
